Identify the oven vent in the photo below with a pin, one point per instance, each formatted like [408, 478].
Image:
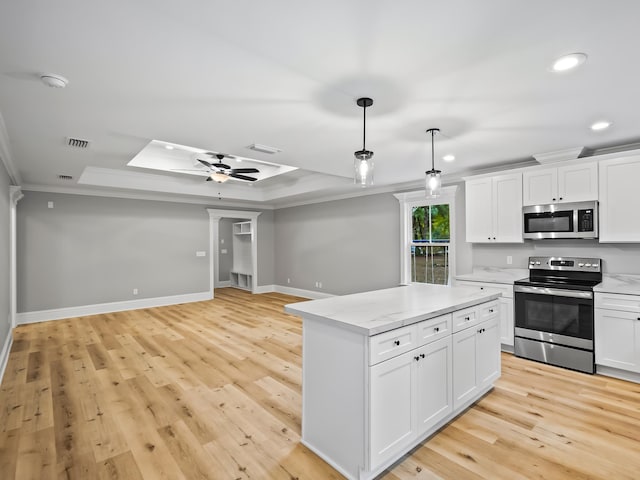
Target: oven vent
[77, 142]
[65, 177]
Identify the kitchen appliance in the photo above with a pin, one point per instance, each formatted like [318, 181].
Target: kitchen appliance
[553, 311]
[561, 220]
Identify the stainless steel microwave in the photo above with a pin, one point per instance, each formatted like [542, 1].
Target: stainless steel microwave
[561, 220]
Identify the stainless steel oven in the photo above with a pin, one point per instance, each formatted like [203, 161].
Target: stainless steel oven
[554, 312]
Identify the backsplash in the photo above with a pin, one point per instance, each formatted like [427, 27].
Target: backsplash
[617, 258]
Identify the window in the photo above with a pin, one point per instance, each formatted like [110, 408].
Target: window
[427, 237]
[430, 244]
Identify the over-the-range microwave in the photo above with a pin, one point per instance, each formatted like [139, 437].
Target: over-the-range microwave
[561, 220]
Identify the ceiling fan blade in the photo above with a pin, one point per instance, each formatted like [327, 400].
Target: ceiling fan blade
[224, 166]
[245, 170]
[204, 162]
[243, 177]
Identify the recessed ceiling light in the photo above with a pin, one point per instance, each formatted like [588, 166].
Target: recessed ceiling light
[449, 158]
[568, 62]
[54, 80]
[169, 147]
[601, 125]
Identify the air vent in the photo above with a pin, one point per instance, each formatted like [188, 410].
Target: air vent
[264, 148]
[77, 142]
[65, 177]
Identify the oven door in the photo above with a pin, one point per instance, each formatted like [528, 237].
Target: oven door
[553, 315]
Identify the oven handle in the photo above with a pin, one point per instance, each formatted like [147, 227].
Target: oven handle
[553, 291]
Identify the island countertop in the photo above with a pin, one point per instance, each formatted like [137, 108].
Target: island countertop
[379, 311]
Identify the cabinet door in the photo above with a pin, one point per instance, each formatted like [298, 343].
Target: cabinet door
[617, 339]
[540, 186]
[506, 321]
[464, 366]
[392, 407]
[487, 352]
[577, 183]
[434, 384]
[479, 210]
[507, 208]
[619, 200]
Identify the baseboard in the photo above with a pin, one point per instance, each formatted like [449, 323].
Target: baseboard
[226, 283]
[265, 289]
[299, 292]
[70, 312]
[4, 355]
[617, 373]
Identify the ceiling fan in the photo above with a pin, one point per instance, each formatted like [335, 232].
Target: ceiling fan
[221, 172]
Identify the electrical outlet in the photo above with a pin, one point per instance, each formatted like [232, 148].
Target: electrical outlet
[509, 259]
[223, 251]
[49, 204]
[288, 280]
[135, 291]
[319, 284]
[222, 241]
[316, 284]
[201, 253]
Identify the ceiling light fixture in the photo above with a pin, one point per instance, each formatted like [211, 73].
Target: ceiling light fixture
[169, 147]
[363, 165]
[449, 158]
[568, 62]
[54, 80]
[601, 125]
[433, 181]
[219, 177]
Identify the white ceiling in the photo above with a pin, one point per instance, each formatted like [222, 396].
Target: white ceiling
[221, 75]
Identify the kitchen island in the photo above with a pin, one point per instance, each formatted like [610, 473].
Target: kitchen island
[384, 370]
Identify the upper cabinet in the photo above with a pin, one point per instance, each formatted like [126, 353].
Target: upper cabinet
[619, 199]
[569, 183]
[494, 209]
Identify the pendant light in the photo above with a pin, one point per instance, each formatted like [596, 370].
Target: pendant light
[433, 181]
[363, 164]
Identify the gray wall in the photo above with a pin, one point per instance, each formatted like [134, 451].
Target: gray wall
[349, 245]
[266, 248]
[617, 258]
[89, 250]
[463, 250]
[225, 229]
[5, 273]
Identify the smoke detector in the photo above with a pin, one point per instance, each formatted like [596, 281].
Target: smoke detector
[54, 80]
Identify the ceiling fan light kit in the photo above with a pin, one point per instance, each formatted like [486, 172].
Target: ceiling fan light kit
[363, 164]
[221, 172]
[433, 180]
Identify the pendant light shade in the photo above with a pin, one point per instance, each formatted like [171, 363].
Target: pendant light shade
[363, 163]
[433, 181]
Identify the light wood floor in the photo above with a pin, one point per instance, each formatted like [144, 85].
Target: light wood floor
[212, 390]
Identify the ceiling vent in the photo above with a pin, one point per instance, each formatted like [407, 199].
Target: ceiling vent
[264, 148]
[77, 142]
[65, 177]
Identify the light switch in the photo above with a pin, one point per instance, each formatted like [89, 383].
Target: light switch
[201, 253]
[50, 205]
[224, 250]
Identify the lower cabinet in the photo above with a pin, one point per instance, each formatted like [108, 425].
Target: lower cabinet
[409, 394]
[617, 331]
[476, 362]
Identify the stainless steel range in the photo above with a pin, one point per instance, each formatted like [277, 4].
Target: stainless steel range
[554, 311]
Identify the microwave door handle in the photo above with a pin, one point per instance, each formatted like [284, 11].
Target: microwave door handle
[552, 291]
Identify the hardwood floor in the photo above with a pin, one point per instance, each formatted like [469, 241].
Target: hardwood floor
[212, 390]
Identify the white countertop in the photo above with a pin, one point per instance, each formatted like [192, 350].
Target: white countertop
[379, 311]
[619, 283]
[495, 275]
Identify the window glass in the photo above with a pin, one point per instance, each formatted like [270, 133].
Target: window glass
[430, 244]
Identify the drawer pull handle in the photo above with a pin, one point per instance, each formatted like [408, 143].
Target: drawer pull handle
[422, 355]
[396, 342]
[466, 319]
[491, 310]
[417, 358]
[481, 330]
[437, 329]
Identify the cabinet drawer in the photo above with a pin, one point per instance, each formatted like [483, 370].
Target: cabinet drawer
[389, 344]
[507, 290]
[489, 310]
[617, 301]
[434, 329]
[465, 318]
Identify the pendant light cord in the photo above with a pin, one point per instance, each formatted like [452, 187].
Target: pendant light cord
[433, 167]
[364, 128]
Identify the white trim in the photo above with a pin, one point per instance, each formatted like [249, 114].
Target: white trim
[407, 201]
[4, 355]
[224, 284]
[299, 292]
[618, 373]
[15, 195]
[5, 154]
[214, 228]
[81, 311]
[265, 289]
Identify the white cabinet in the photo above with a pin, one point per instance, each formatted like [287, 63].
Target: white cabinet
[434, 385]
[242, 268]
[619, 199]
[617, 331]
[576, 182]
[506, 308]
[494, 209]
[476, 360]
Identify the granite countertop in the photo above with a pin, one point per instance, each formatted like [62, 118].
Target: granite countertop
[619, 283]
[379, 311]
[495, 275]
